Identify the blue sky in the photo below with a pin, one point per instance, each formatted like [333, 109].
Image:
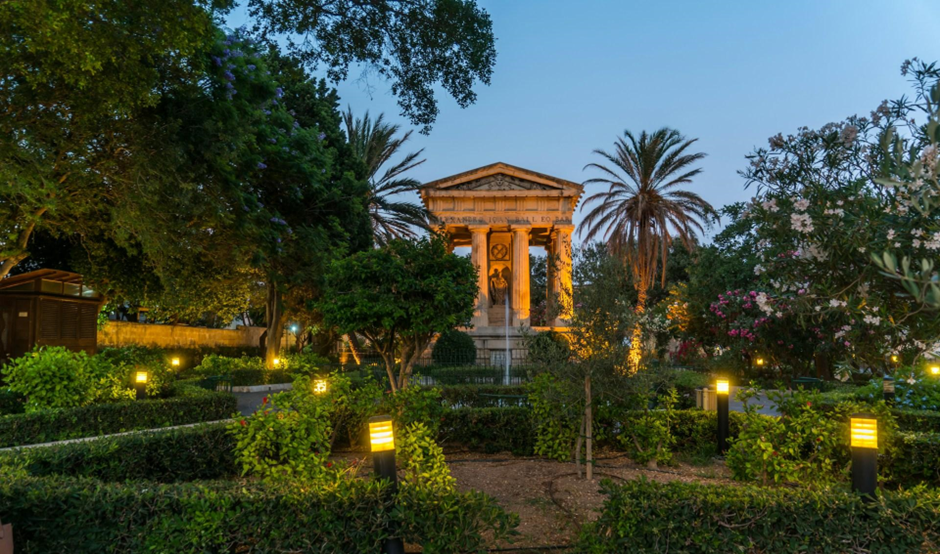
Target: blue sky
[570, 76]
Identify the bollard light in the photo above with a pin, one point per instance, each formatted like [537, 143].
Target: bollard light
[760, 361]
[887, 387]
[140, 384]
[723, 388]
[382, 442]
[864, 443]
[935, 370]
[175, 362]
[277, 362]
[319, 386]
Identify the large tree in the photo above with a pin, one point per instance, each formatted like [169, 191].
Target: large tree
[375, 143]
[416, 44]
[399, 296]
[73, 75]
[644, 209]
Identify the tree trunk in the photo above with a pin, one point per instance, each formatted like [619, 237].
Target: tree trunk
[636, 341]
[577, 447]
[588, 430]
[274, 315]
[355, 347]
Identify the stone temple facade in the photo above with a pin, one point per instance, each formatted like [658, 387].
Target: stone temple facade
[499, 211]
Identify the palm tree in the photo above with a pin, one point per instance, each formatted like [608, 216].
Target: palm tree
[375, 143]
[643, 209]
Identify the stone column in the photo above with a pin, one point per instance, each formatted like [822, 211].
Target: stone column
[479, 255]
[520, 274]
[562, 279]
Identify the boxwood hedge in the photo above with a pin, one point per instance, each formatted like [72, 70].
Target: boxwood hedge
[194, 405]
[204, 451]
[644, 516]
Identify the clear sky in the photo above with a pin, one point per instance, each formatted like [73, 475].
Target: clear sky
[571, 75]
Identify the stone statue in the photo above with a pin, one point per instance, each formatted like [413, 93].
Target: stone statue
[499, 287]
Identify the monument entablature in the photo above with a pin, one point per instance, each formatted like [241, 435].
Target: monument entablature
[499, 211]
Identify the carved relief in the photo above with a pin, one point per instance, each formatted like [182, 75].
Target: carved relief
[502, 182]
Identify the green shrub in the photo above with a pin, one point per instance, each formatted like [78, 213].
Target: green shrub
[643, 516]
[83, 516]
[694, 432]
[547, 348]
[489, 430]
[454, 347]
[555, 424]
[195, 406]
[483, 396]
[422, 459]
[917, 420]
[807, 441]
[11, 402]
[56, 377]
[914, 461]
[649, 439]
[201, 452]
[284, 439]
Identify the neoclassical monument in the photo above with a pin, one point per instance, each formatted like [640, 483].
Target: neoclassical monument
[499, 211]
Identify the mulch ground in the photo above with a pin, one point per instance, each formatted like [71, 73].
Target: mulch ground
[551, 500]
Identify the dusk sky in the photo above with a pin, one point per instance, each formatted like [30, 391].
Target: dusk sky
[732, 74]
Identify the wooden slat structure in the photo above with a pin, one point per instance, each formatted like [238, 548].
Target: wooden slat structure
[47, 307]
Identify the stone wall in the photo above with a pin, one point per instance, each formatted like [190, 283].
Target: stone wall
[123, 333]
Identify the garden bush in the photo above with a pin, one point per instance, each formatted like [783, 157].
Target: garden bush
[11, 402]
[200, 452]
[85, 516]
[454, 347]
[547, 348]
[643, 516]
[489, 430]
[192, 405]
[915, 460]
[483, 396]
[55, 377]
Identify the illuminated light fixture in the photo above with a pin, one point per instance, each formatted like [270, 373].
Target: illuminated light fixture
[175, 362]
[277, 361]
[887, 389]
[382, 439]
[760, 361]
[294, 329]
[140, 377]
[140, 384]
[864, 432]
[722, 387]
[381, 436]
[935, 370]
[319, 386]
[863, 429]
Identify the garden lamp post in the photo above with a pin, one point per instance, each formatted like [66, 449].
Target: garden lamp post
[864, 443]
[887, 386]
[382, 441]
[140, 384]
[722, 388]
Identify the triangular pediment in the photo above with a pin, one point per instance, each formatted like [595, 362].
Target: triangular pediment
[502, 177]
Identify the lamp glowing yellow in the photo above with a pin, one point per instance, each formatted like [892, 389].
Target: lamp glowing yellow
[140, 377]
[760, 361]
[319, 386]
[175, 362]
[894, 358]
[935, 370]
[722, 386]
[381, 436]
[277, 361]
[864, 432]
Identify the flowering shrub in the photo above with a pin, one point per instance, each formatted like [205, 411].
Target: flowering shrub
[913, 389]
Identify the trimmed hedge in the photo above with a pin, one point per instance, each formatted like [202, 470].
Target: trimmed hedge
[917, 420]
[194, 406]
[474, 396]
[176, 455]
[916, 460]
[644, 516]
[57, 514]
[11, 402]
[489, 429]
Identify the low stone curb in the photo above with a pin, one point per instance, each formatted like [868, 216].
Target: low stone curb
[264, 388]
